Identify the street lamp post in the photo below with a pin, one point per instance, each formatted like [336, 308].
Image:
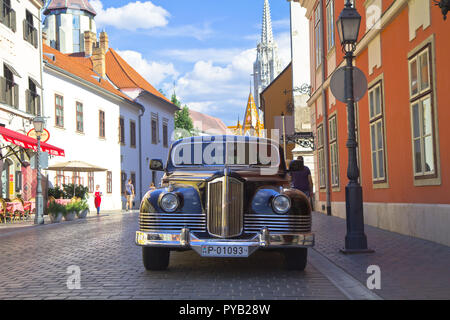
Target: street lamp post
[38, 123]
[355, 239]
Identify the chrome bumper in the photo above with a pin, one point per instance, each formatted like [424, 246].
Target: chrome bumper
[187, 240]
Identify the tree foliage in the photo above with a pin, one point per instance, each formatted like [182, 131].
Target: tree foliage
[184, 126]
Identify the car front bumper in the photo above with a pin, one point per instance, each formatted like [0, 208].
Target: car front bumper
[188, 240]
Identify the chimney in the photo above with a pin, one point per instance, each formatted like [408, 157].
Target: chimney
[90, 39]
[104, 43]
[99, 61]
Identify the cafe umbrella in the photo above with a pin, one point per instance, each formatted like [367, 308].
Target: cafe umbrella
[75, 166]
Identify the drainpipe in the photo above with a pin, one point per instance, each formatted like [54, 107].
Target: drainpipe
[142, 109]
[325, 115]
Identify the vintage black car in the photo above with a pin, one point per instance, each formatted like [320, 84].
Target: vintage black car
[224, 196]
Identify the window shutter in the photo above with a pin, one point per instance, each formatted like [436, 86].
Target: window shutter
[35, 37]
[2, 17]
[2, 90]
[25, 30]
[38, 105]
[16, 95]
[13, 21]
[28, 100]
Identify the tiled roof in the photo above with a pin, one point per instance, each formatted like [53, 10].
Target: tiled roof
[125, 77]
[209, 124]
[70, 4]
[80, 67]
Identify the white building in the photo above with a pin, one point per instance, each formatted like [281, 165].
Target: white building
[126, 121]
[267, 65]
[20, 87]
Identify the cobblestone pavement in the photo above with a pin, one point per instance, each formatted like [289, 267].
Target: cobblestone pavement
[411, 268]
[34, 262]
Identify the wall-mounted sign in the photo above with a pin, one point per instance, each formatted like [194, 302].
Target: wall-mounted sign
[45, 135]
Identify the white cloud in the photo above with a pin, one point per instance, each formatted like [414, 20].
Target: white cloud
[193, 55]
[283, 41]
[132, 16]
[188, 31]
[153, 72]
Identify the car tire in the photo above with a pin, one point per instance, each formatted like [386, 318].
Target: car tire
[296, 258]
[155, 258]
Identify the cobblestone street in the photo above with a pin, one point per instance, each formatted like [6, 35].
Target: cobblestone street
[34, 262]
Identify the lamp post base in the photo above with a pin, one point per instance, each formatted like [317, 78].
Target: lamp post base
[39, 220]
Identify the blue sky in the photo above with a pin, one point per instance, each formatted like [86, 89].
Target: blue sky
[206, 47]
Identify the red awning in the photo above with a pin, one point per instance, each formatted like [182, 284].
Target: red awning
[29, 143]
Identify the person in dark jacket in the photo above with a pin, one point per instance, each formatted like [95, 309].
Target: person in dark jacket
[301, 177]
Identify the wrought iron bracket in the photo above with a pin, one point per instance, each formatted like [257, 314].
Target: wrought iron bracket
[303, 139]
[444, 5]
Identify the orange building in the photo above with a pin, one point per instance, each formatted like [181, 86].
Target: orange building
[403, 139]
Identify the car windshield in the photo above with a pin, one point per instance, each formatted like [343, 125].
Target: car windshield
[234, 151]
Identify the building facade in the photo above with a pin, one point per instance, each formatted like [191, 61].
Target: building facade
[267, 65]
[20, 89]
[403, 141]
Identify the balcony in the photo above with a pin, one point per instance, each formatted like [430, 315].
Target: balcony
[9, 93]
[33, 102]
[8, 16]
[30, 33]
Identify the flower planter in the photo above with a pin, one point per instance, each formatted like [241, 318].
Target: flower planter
[82, 214]
[70, 216]
[55, 218]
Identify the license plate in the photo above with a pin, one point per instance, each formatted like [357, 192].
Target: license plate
[224, 251]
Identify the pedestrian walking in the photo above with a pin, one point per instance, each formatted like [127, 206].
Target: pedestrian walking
[98, 198]
[130, 194]
[301, 177]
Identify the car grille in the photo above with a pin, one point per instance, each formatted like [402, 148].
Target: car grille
[225, 207]
[171, 222]
[277, 223]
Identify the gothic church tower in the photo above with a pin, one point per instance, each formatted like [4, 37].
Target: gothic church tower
[267, 65]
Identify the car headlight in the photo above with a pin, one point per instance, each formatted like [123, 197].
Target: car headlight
[281, 204]
[169, 202]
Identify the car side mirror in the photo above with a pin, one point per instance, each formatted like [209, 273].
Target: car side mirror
[156, 165]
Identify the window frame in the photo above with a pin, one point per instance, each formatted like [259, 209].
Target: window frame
[61, 107]
[91, 182]
[320, 157]
[331, 34]
[132, 134]
[317, 36]
[165, 132]
[417, 98]
[374, 120]
[101, 124]
[77, 113]
[154, 135]
[108, 181]
[333, 145]
[122, 140]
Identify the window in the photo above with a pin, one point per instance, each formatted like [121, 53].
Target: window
[121, 131]
[29, 31]
[9, 90]
[76, 179]
[321, 159]
[33, 102]
[76, 33]
[59, 111]
[330, 24]
[7, 15]
[133, 179]
[165, 133]
[91, 182]
[79, 117]
[59, 178]
[154, 128]
[376, 122]
[109, 182]
[334, 152]
[101, 124]
[123, 181]
[132, 134]
[422, 115]
[318, 36]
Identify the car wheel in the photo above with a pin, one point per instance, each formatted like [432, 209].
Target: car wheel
[296, 258]
[155, 258]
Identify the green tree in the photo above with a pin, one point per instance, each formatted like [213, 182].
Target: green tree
[183, 121]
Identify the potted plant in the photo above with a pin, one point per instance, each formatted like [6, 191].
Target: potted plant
[56, 212]
[83, 209]
[71, 211]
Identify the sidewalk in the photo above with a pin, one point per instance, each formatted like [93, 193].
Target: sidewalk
[21, 225]
[411, 268]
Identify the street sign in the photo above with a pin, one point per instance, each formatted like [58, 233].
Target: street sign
[45, 135]
[43, 160]
[337, 84]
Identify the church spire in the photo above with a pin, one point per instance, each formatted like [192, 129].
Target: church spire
[267, 34]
